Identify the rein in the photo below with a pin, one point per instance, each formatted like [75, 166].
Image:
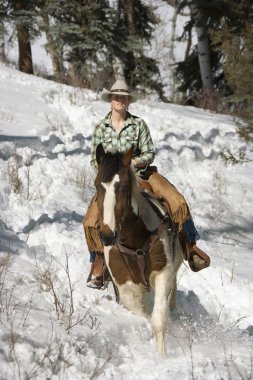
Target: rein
[140, 254]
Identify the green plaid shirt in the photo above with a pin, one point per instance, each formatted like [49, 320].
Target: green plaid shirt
[135, 132]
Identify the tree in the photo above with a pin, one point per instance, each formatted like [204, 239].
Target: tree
[54, 44]
[213, 12]
[100, 42]
[200, 23]
[22, 21]
[2, 51]
[84, 30]
[21, 13]
[3, 13]
[135, 23]
[237, 53]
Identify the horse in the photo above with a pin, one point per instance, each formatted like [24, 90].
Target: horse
[136, 258]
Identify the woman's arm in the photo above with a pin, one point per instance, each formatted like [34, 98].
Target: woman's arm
[96, 140]
[146, 147]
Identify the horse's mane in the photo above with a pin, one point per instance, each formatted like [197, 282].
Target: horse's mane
[135, 189]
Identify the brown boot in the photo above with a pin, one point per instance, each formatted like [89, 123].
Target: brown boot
[99, 276]
[95, 278]
[96, 282]
[197, 259]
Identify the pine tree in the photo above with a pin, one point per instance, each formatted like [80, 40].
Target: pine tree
[135, 23]
[95, 38]
[22, 13]
[84, 30]
[22, 21]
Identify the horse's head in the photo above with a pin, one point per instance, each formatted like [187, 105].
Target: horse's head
[113, 186]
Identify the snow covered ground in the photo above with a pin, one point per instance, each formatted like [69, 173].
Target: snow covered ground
[52, 325]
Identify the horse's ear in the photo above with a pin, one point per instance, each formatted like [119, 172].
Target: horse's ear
[100, 153]
[127, 157]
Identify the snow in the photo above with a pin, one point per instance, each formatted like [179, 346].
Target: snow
[69, 331]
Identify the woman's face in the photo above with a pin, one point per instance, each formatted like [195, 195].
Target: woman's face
[120, 102]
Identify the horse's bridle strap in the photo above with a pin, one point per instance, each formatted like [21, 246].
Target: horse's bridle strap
[140, 256]
[129, 251]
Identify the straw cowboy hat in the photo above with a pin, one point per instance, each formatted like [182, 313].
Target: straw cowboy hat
[118, 88]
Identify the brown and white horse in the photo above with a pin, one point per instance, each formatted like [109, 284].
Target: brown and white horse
[126, 237]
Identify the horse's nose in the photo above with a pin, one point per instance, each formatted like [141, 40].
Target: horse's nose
[108, 238]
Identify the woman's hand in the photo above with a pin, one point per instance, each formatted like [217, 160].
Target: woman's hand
[135, 163]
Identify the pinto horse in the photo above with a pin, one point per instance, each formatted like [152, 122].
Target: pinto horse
[135, 257]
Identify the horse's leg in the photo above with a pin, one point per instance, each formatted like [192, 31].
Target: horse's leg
[172, 296]
[178, 258]
[132, 296]
[159, 318]
[164, 285]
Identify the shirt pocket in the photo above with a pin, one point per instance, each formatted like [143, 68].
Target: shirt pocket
[133, 141]
[132, 137]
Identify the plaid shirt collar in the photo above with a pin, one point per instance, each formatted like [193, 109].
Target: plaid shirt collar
[108, 122]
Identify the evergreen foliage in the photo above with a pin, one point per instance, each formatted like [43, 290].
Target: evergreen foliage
[82, 30]
[135, 22]
[22, 13]
[84, 37]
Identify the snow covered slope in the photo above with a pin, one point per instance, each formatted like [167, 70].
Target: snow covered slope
[52, 325]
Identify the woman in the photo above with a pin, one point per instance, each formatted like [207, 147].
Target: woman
[118, 132]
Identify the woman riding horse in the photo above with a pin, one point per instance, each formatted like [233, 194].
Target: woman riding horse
[140, 255]
[118, 132]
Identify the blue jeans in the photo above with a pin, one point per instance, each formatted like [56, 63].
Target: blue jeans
[92, 256]
[191, 230]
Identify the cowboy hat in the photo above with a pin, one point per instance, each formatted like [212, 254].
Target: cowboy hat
[118, 88]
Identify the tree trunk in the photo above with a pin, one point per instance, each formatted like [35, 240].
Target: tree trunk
[2, 52]
[118, 69]
[118, 66]
[203, 47]
[172, 57]
[25, 62]
[128, 8]
[56, 60]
